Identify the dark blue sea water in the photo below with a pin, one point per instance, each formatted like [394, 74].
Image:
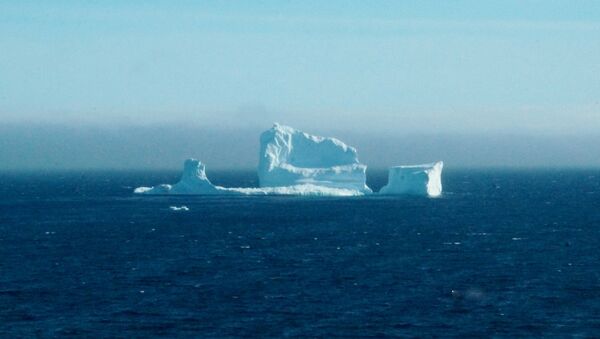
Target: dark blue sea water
[503, 253]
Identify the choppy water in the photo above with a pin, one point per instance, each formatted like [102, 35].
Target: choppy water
[502, 253]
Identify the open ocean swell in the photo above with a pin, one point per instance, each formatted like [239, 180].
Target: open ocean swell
[503, 253]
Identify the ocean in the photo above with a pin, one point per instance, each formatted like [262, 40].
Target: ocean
[503, 253]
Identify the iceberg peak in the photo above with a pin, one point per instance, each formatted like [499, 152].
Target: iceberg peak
[193, 181]
[193, 168]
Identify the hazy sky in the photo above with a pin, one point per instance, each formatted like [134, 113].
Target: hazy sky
[485, 69]
[395, 65]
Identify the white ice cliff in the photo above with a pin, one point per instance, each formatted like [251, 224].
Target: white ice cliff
[289, 157]
[415, 180]
[296, 163]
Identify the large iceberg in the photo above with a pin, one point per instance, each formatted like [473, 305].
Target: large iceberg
[289, 157]
[296, 163]
[415, 180]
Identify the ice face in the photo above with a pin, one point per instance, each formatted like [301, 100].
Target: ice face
[415, 180]
[290, 157]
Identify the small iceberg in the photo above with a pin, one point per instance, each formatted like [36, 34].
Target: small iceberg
[179, 208]
[415, 180]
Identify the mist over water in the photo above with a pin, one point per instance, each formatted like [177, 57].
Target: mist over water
[70, 146]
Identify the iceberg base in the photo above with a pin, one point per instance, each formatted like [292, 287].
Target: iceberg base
[194, 182]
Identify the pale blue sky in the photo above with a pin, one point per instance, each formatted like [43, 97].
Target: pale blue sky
[405, 66]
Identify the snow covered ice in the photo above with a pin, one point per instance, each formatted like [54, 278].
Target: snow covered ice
[415, 180]
[297, 163]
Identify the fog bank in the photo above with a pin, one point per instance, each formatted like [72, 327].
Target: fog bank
[42, 146]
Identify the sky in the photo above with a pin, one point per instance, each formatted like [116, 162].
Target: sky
[485, 70]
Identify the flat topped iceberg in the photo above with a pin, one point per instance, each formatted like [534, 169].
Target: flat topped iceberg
[290, 157]
[415, 180]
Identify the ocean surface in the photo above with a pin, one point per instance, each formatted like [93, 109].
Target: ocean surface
[503, 253]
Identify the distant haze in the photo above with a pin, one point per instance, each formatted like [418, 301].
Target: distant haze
[116, 84]
[165, 147]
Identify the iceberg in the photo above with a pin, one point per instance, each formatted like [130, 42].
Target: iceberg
[415, 180]
[297, 163]
[290, 157]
